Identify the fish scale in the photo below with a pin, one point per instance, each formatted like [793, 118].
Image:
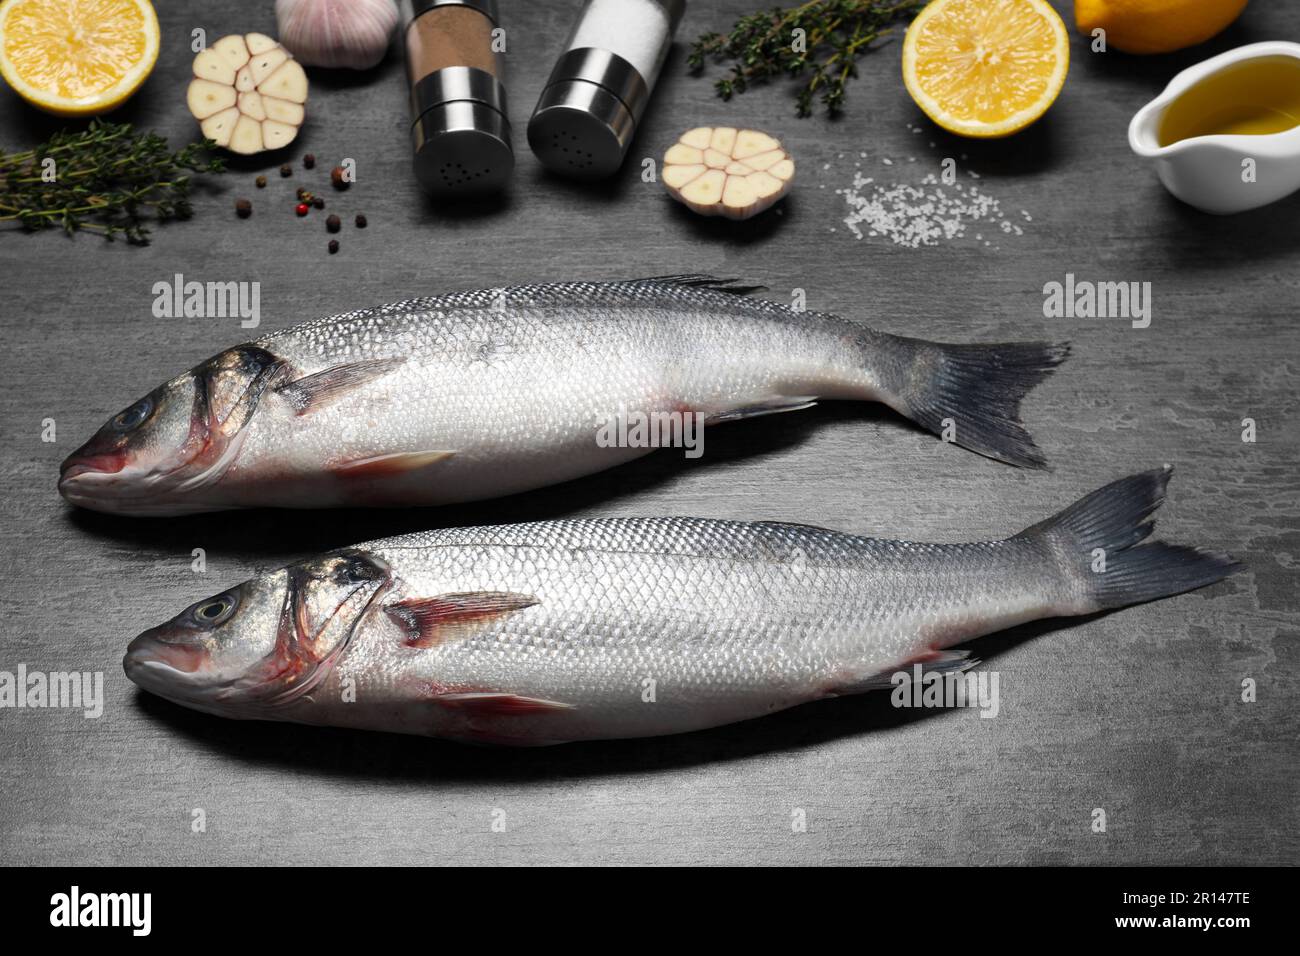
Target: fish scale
[729, 619]
[596, 628]
[477, 394]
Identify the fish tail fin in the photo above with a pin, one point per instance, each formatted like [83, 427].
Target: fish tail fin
[971, 394]
[1093, 541]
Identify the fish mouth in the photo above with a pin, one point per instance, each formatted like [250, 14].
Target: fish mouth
[151, 673]
[148, 653]
[169, 671]
[109, 483]
[87, 486]
[77, 465]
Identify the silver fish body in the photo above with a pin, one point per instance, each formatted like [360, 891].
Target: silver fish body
[478, 394]
[625, 627]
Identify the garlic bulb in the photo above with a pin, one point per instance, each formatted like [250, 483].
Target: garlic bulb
[351, 33]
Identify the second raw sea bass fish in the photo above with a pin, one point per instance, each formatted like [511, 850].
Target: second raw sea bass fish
[549, 632]
[478, 394]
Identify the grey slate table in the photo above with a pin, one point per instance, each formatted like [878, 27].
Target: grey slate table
[1138, 712]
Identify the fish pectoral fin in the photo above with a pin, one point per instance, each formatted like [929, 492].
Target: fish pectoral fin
[311, 392]
[388, 466]
[931, 662]
[428, 622]
[766, 406]
[490, 704]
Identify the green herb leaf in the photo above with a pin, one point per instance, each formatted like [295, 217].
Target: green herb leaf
[817, 42]
[107, 178]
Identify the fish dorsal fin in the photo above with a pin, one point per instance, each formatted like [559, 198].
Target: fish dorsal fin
[311, 392]
[703, 280]
[428, 622]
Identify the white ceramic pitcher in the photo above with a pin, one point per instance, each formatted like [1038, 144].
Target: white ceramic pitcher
[1210, 172]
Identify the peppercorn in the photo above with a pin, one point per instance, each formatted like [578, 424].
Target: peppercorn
[303, 195]
[361, 221]
[261, 182]
[336, 177]
[301, 208]
[318, 202]
[243, 208]
[332, 223]
[333, 246]
[286, 170]
[309, 161]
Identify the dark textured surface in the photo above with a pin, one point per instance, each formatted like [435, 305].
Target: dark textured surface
[1137, 712]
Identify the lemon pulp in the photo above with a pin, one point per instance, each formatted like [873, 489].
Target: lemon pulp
[985, 67]
[77, 56]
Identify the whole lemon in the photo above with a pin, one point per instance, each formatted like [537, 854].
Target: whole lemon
[1155, 26]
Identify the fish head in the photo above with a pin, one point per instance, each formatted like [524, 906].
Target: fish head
[158, 454]
[264, 644]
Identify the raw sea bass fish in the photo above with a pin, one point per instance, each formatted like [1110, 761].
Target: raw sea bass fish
[478, 394]
[551, 632]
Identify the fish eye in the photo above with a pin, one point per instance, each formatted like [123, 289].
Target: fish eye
[214, 611]
[355, 569]
[135, 415]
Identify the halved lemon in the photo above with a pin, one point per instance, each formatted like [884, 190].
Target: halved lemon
[77, 57]
[985, 68]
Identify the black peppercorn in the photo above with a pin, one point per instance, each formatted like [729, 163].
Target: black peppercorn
[286, 170]
[361, 221]
[332, 223]
[243, 208]
[309, 161]
[318, 202]
[336, 177]
[333, 246]
[261, 182]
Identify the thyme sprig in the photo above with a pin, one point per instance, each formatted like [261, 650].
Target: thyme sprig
[766, 46]
[107, 178]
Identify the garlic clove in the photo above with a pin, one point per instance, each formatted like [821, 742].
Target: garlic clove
[289, 82]
[700, 138]
[259, 43]
[234, 50]
[723, 139]
[219, 126]
[675, 177]
[211, 65]
[275, 135]
[725, 171]
[283, 111]
[706, 190]
[751, 142]
[246, 137]
[337, 33]
[681, 153]
[264, 64]
[255, 106]
[250, 104]
[205, 98]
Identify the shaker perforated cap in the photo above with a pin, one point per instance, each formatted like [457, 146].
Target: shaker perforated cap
[461, 135]
[459, 128]
[587, 115]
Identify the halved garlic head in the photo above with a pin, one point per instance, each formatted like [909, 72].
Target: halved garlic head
[248, 93]
[723, 171]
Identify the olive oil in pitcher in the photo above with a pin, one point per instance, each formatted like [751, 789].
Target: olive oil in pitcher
[1252, 98]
